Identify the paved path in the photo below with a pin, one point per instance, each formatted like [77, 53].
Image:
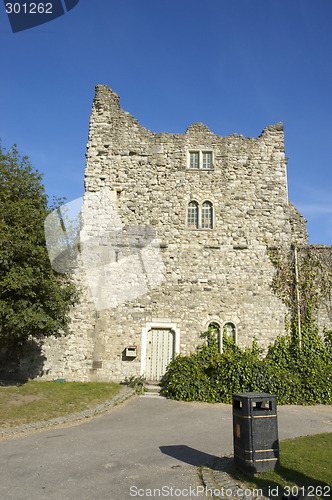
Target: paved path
[141, 445]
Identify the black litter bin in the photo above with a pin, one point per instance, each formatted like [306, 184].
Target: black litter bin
[255, 431]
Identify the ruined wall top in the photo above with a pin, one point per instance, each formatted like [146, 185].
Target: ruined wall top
[247, 183]
[107, 102]
[298, 225]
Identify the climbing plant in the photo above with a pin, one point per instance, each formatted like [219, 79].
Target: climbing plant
[302, 281]
[298, 372]
[295, 376]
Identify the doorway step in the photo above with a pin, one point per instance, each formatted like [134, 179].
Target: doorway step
[152, 389]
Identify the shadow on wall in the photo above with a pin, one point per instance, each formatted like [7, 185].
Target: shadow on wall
[19, 363]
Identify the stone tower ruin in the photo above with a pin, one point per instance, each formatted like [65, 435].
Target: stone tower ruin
[183, 223]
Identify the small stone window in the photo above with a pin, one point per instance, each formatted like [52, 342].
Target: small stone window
[192, 215]
[207, 160]
[200, 160]
[200, 216]
[207, 215]
[194, 159]
[229, 330]
[215, 327]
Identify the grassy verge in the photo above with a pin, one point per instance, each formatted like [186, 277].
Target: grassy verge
[38, 401]
[304, 462]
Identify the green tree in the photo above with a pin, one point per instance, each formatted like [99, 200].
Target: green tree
[34, 299]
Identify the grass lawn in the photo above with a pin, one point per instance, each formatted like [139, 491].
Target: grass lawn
[38, 401]
[304, 462]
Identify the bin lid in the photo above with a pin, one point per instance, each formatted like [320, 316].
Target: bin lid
[251, 395]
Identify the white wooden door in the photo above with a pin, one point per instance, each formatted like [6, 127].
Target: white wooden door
[159, 352]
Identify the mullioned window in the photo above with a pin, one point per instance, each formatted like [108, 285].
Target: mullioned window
[200, 160]
[200, 216]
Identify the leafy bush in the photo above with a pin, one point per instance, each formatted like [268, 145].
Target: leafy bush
[186, 379]
[137, 383]
[296, 376]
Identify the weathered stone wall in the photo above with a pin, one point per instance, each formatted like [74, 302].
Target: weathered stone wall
[248, 184]
[298, 226]
[222, 274]
[71, 356]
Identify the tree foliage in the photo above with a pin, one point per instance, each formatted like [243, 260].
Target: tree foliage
[34, 299]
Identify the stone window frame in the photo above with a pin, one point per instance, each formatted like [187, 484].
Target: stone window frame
[230, 322]
[215, 321]
[206, 204]
[192, 217]
[221, 325]
[200, 152]
[200, 206]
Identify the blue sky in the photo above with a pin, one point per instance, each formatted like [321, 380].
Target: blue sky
[235, 65]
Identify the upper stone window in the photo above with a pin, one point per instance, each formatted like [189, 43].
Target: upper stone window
[207, 159]
[194, 159]
[200, 160]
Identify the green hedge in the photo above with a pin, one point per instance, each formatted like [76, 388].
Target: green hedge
[296, 376]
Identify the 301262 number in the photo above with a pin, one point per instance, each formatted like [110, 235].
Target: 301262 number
[318, 491]
[29, 8]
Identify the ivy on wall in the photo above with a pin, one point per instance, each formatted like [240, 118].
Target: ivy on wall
[295, 376]
[298, 366]
[302, 281]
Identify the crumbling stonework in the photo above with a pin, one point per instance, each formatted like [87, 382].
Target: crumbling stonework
[216, 266]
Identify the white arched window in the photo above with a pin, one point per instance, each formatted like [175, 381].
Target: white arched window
[192, 215]
[200, 216]
[207, 215]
